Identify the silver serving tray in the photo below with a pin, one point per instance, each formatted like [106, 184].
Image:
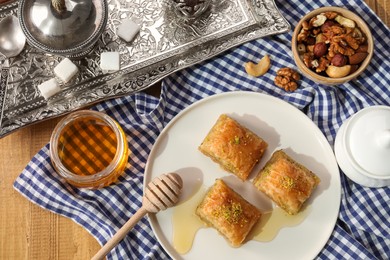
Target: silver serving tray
[165, 44]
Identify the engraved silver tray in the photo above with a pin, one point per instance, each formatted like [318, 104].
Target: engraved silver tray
[165, 44]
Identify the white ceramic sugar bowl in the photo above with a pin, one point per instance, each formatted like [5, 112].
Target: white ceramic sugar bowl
[362, 147]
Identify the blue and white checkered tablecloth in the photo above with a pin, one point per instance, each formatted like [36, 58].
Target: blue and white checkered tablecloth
[363, 227]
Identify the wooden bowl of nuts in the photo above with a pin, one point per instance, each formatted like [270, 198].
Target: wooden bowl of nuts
[332, 45]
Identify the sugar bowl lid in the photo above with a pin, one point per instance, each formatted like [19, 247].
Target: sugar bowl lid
[362, 147]
[64, 27]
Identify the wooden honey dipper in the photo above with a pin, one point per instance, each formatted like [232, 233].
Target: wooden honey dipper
[163, 192]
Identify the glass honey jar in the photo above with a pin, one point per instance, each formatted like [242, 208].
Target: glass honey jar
[89, 149]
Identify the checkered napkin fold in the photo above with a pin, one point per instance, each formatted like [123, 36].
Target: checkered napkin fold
[362, 230]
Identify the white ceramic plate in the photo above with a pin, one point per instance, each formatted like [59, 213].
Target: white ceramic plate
[283, 127]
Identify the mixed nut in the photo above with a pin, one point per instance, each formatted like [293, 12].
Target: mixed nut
[332, 45]
[286, 78]
[259, 69]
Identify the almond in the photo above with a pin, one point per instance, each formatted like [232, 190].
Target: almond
[362, 48]
[357, 58]
[354, 68]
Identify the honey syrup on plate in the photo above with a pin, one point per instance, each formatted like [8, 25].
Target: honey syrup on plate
[186, 223]
[88, 146]
[272, 222]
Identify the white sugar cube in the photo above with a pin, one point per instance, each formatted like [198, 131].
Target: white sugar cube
[66, 70]
[127, 30]
[110, 60]
[49, 88]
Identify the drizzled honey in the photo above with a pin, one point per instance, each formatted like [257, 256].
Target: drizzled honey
[186, 224]
[89, 149]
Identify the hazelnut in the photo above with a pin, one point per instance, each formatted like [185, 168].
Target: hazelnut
[327, 25]
[339, 60]
[320, 49]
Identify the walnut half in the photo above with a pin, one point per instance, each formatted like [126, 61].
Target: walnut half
[287, 78]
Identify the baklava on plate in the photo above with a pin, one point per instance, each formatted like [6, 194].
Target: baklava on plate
[228, 212]
[288, 183]
[234, 147]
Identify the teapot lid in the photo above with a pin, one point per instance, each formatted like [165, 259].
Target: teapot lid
[367, 140]
[62, 27]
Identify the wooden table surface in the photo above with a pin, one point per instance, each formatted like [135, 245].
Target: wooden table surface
[29, 232]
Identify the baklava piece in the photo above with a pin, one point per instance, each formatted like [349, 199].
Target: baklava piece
[229, 213]
[288, 183]
[234, 147]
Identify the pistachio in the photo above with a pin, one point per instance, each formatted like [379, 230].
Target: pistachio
[338, 72]
[345, 21]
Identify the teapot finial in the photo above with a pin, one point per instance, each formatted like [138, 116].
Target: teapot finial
[59, 5]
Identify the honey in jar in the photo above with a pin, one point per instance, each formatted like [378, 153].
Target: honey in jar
[89, 149]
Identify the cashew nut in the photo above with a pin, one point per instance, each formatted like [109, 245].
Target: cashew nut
[259, 69]
[319, 20]
[338, 72]
[345, 21]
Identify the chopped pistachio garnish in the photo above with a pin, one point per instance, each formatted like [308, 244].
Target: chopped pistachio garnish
[232, 213]
[237, 139]
[287, 182]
